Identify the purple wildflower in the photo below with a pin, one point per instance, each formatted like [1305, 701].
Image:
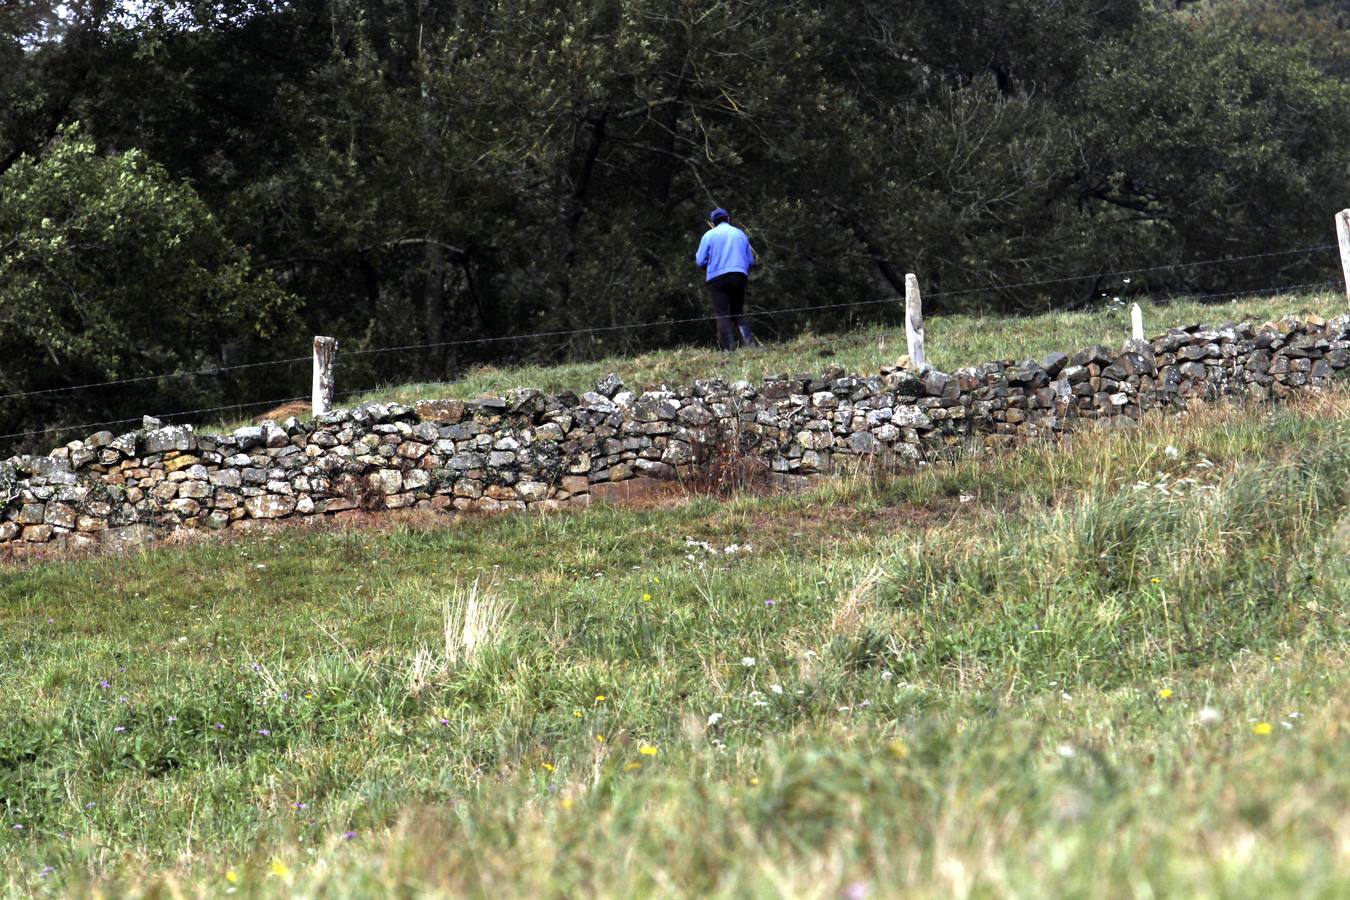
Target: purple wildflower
[348, 835]
[18, 828]
[120, 728]
[770, 603]
[285, 695]
[300, 805]
[90, 805]
[218, 727]
[858, 890]
[103, 684]
[45, 871]
[445, 722]
[264, 732]
[173, 718]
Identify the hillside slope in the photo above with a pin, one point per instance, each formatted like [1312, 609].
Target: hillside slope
[1103, 669]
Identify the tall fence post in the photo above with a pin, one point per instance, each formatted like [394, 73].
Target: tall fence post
[1136, 322]
[325, 356]
[1343, 236]
[914, 322]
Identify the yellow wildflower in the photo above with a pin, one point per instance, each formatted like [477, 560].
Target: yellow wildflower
[1155, 581]
[899, 749]
[1261, 728]
[599, 738]
[646, 598]
[280, 869]
[577, 713]
[754, 782]
[632, 766]
[599, 698]
[1165, 693]
[648, 750]
[548, 767]
[231, 876]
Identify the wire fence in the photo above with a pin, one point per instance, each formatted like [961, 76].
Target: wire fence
[891, 299]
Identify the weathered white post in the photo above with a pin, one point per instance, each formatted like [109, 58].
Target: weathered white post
[1136, 322]
[914, 322]
[325, 355]
[1343, 236]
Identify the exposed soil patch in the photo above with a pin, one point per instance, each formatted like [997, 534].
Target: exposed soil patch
[770, 524]
[301, 409]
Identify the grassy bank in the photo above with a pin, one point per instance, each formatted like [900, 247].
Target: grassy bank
[952, 342]
[1116, 667]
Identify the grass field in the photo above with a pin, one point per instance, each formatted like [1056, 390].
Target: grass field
[1113, 668]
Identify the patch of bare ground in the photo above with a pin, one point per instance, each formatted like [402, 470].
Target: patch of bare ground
[301, 409]
[822, 525]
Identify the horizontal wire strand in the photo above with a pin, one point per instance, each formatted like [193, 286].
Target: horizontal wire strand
[186, 412]
[1245, 292]
[217, 370]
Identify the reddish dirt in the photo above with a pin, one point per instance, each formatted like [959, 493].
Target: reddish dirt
[816, 523]
[301, 409]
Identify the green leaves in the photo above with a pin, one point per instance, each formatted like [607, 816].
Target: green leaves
[112, 269]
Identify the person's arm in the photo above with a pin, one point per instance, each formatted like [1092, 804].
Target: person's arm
[701, 257]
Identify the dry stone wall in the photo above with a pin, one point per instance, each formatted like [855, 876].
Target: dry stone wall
[528, 450]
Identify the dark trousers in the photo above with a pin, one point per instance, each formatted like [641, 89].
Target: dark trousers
[728, 300]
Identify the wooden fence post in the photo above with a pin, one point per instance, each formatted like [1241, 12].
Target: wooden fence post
[1343, 236]
[1136, 322]
[914, 322]
[325, 355]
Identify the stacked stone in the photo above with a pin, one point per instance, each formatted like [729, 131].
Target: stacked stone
[529, 450]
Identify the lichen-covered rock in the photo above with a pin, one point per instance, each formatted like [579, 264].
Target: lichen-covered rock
[268, 506]
[386, 481]
[610, 385]
[161, 440]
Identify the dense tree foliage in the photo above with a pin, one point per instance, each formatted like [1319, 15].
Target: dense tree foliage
[111, 271]
[403, 172]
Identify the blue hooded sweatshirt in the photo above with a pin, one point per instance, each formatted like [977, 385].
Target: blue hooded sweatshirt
[723, 249]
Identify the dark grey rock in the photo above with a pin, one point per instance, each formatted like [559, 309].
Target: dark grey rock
[610, 385]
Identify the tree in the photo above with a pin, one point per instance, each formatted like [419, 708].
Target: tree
[1201, 143]
[109, 269]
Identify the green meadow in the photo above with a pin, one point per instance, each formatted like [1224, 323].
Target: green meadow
[1113, 667]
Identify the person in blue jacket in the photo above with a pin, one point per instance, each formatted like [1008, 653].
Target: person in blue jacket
[726, 254]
